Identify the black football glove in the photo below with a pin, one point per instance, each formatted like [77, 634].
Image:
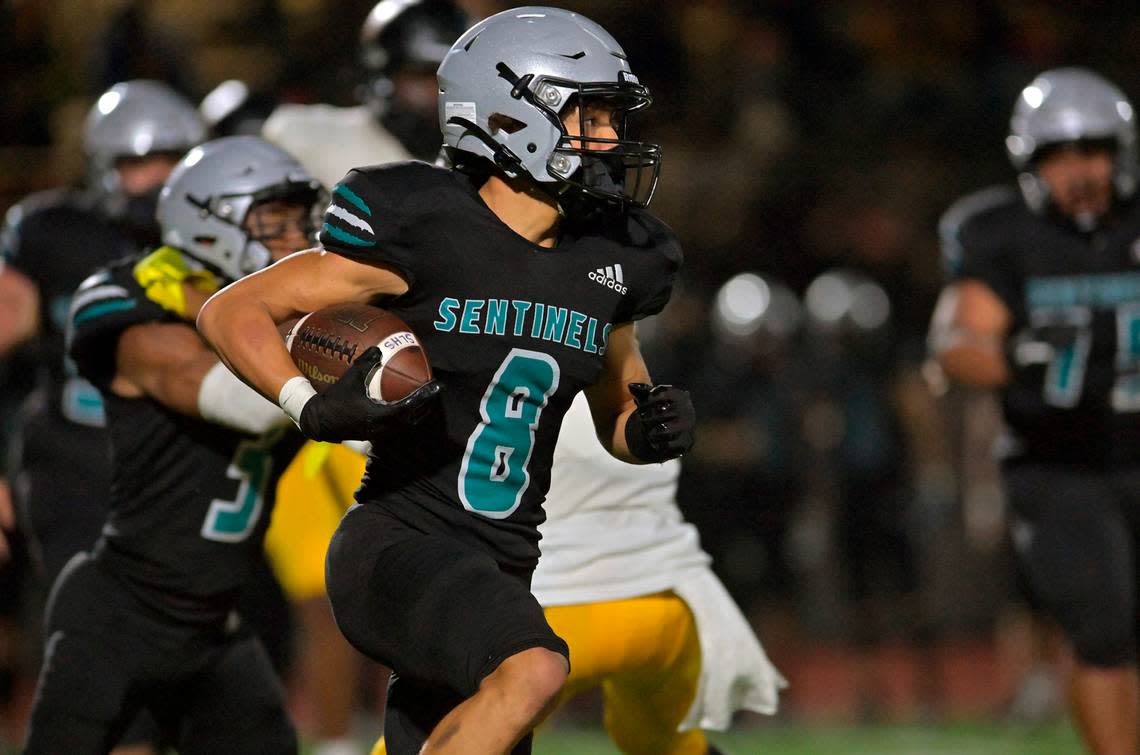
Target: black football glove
[345, 412]
[661, 428]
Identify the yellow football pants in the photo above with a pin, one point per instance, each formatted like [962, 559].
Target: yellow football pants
[312, 496]
[645, 655]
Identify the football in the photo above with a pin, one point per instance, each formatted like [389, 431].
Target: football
[324, 343]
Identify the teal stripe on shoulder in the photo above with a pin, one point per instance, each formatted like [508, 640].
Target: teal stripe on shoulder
[353, 197]
[98, 309]
[345, 237]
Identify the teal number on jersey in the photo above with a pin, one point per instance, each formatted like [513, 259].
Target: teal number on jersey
[1071, 346]
[494, 474]
[1065, 377]
[232, 521]
[1069, 342]
[1126, 390]
[80, 401]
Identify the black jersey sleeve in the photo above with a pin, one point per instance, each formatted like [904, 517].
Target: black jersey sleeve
[106, 304]
[657, 257]
[371, 211]
[10, 236]
[25, 224]
[973, 233]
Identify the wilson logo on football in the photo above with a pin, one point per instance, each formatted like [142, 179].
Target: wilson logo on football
[610, 276]
[313, 372]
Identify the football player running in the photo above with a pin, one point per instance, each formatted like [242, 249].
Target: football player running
[402, 43]
[1042, 304]
[52, 240]
[523, 271]
[146, 620]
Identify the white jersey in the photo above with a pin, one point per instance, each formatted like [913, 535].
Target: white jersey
[612, 530]
[330, 141]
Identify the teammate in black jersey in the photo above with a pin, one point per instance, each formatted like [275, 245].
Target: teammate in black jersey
[132, 138]
[51, 241]
[147, 620]
[1044, 303]
[522, 272]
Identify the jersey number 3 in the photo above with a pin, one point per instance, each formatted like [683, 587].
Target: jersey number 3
[494, 473]
[232, 521]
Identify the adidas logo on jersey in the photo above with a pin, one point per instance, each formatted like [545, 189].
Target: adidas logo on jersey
[610, 276]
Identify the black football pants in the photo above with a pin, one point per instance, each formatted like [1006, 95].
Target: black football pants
[108, 656]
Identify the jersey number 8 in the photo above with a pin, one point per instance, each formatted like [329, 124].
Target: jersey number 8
[494, 475]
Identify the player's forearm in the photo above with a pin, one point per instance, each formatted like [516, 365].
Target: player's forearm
[616, 443]
[244, 335]
[968, 331]
[19, 309]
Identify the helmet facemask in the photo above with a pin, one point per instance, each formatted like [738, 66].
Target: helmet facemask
[244, 249]
[614, 169]
[1083, 197]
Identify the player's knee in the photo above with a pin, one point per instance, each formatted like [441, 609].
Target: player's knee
[533, 678]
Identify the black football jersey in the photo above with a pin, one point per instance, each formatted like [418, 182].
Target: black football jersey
[512, 330]
[1075, 339]
[57, 238]
[190, 500]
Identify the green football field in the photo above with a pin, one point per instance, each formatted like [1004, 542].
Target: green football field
[784, 739]
[781, 739]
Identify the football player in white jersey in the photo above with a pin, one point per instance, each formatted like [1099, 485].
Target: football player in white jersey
[624, 581]
[402, 43]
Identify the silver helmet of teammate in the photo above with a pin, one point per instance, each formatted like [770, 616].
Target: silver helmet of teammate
[136, 119]
[402, 44]
[204, 203]
[505, 84]
[406, 35]
[1070, 105]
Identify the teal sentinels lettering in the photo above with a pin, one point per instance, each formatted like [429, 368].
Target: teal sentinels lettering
[521, 318]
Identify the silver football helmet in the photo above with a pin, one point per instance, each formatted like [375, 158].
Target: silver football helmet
[406, 35]
[204, 203]
[505, 83]
[135, 119]
[402, 44]
[1068, 105]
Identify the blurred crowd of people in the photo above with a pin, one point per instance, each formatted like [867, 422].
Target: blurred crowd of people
[809, 150]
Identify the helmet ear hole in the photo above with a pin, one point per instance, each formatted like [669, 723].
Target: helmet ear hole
[505, 123]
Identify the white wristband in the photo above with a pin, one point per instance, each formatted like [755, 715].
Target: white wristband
[294, 395]
[225, 400]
